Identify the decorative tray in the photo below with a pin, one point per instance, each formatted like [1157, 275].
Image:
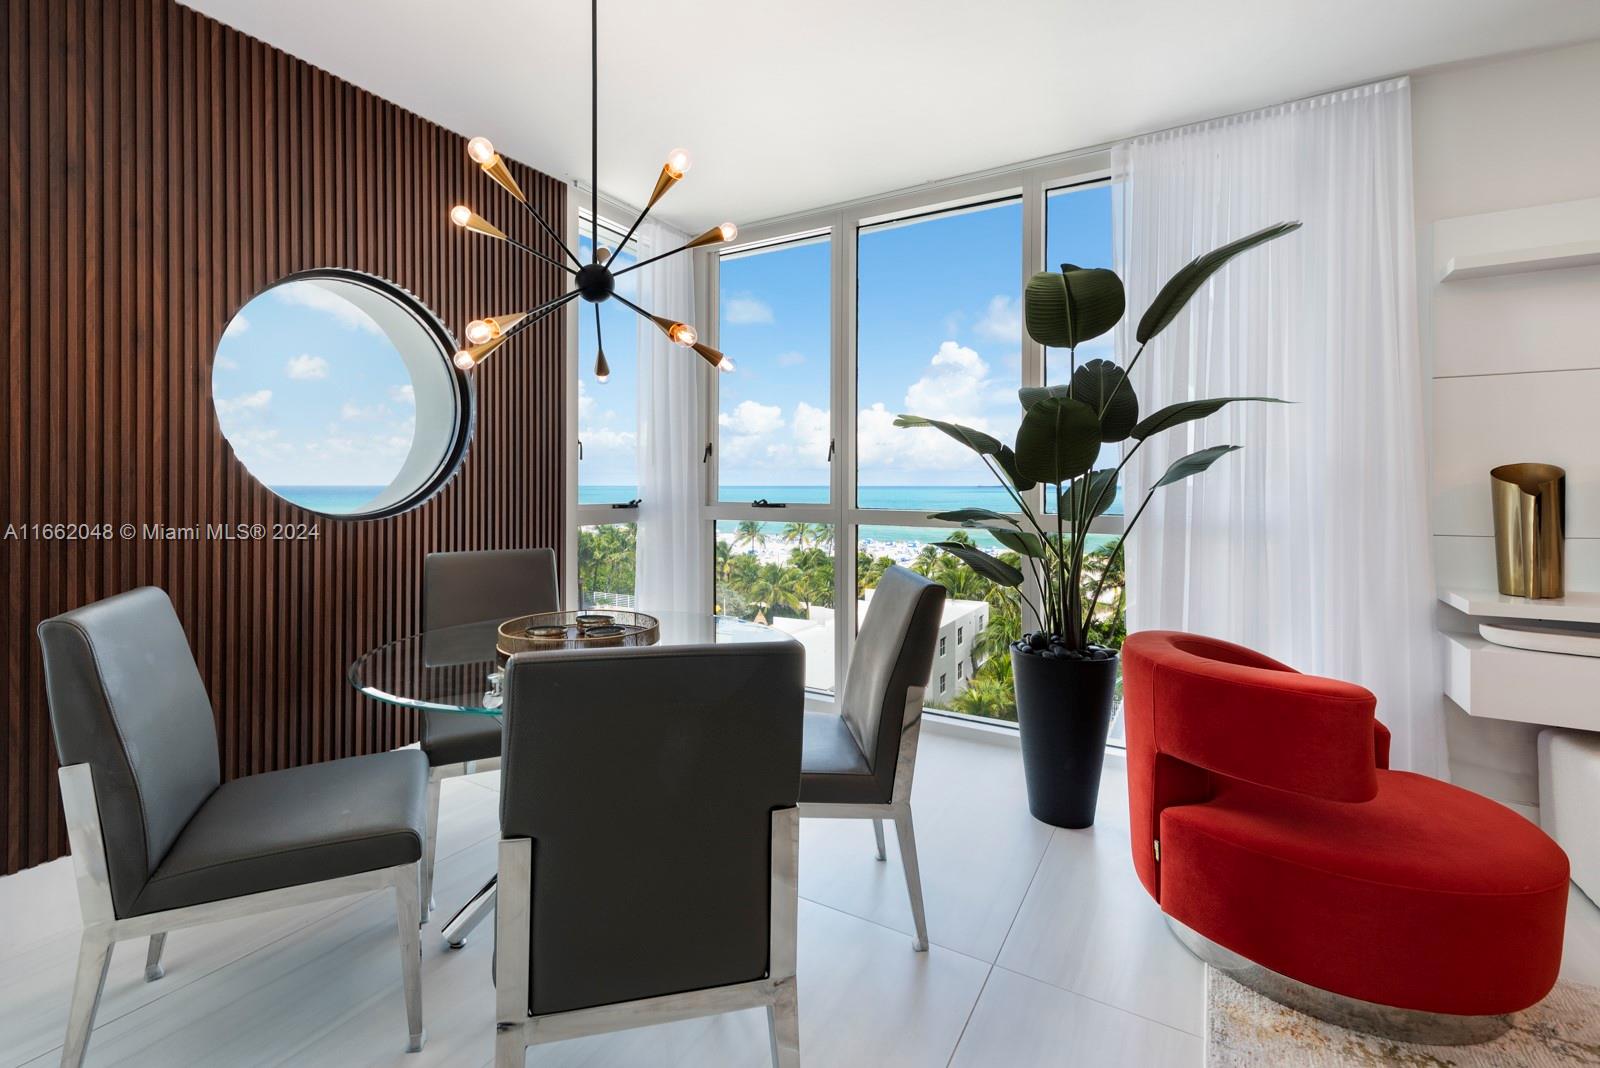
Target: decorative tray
[577, 630]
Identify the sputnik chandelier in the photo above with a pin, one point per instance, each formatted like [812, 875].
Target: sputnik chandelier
[595, 281]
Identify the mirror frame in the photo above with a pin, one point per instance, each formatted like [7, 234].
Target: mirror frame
[463, 399]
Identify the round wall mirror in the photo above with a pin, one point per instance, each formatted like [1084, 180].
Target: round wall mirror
[335, 389]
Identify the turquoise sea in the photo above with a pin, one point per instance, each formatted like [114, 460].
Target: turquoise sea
[334, 500]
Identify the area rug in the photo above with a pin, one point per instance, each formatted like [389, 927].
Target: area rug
[1245, 1029]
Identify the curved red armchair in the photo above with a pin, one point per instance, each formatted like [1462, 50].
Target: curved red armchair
[1265, 820]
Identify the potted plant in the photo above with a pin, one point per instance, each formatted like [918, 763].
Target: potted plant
[1065, 681]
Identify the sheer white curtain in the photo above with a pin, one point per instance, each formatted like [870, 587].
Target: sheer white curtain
[674, 564]
[1311, 544]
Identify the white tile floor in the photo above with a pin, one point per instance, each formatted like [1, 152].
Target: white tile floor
[1046, 951]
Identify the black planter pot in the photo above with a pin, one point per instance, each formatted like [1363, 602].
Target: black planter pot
[1064, 709]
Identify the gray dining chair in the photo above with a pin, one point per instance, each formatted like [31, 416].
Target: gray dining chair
[469, 587]
[160, 842]
[649, 849]
[858, 762]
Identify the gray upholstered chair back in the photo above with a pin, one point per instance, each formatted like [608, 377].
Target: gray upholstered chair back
[468, 587]
[126, 699]
[893, 653]
[647, 778]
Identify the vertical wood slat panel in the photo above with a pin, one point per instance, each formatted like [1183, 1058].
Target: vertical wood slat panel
[161, 169]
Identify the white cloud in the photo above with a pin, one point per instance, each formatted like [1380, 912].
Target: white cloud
[351, 410]
[238, 326]
[751, 417]
[244, 402]
[312, 295]
[956, 387]
[606, 439]
[791, 359]
[306, 367]
[746, 309]
[1002, 320]
[225, 363]
[812, 431]
[406, 394]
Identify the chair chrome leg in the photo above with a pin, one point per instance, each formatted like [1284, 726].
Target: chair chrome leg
[510, 1048]
[430, 847]
[152, 958]
[472, 913]
[783, 1027]
[877, 832]
[94, 959]
[908, 860]
[408, 918]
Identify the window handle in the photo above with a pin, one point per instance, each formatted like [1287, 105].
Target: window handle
[830, 450]
[764, 503]
[707, 457]
[580, 448]
[629, 504]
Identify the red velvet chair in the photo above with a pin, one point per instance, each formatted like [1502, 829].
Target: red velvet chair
[1267, 824]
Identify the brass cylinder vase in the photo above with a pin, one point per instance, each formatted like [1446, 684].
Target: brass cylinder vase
[1529, 502]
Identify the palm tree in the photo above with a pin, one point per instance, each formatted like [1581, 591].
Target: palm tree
[723, 555]
[750, 534]
[775, 586]
[822, 535]
[797, 533]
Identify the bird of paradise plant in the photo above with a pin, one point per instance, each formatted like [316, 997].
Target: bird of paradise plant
[1063, 428]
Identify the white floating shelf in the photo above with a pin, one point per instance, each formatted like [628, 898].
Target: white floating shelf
[1573, 608]
[1542, 238]
[1497, 682]
[1521, 260]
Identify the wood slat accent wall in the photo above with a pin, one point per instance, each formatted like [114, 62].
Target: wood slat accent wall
[161, 169]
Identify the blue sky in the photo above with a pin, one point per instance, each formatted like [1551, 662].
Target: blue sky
[939, 334]
[608, 411]
[309, 391]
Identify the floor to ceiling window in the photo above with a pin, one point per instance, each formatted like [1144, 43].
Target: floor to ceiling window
[608, 436]
[839, 323]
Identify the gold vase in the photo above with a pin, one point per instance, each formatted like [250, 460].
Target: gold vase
[1529, 501]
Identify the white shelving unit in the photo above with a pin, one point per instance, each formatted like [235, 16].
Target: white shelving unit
[1543, 238]
[1525, 685]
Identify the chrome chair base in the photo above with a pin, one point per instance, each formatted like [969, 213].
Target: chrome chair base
[1385, 1021]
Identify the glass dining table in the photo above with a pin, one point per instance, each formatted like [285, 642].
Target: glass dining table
[458, 670]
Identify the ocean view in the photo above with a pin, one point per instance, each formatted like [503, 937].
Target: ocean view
[334, 500]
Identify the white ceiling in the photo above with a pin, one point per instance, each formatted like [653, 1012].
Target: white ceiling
[787, 106]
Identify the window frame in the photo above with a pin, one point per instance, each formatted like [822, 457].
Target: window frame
[843, 224]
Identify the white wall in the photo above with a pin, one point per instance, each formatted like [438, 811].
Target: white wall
[1515, 359]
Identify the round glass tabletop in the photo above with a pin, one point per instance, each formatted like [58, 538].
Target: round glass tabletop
[457, 669]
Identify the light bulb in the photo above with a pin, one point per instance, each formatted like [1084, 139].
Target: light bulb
[481, 149]
[479, 331]
[461, 215]
[602, 369]
[464, 360]
[678, 162]
[725, 365]
[729, 231]
[683, 334]
[602, 254]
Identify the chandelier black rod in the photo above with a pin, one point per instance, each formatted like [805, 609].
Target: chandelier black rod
[536, 254]
[554, 235]
[539, 313]
[594, 124]
[659, 256]
[623, 243]
[628, 303]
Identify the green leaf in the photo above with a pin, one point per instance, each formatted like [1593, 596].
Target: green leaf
[1008, 463]
[1195, 463]
[1021, 542]
[1031, 395]
[1183, 285]
[1059, 439]
[1067, 309]
[1101, 492]
[1186, 411]
[972, 516]
[976, 440]
[1100, 381]
[984, 564]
